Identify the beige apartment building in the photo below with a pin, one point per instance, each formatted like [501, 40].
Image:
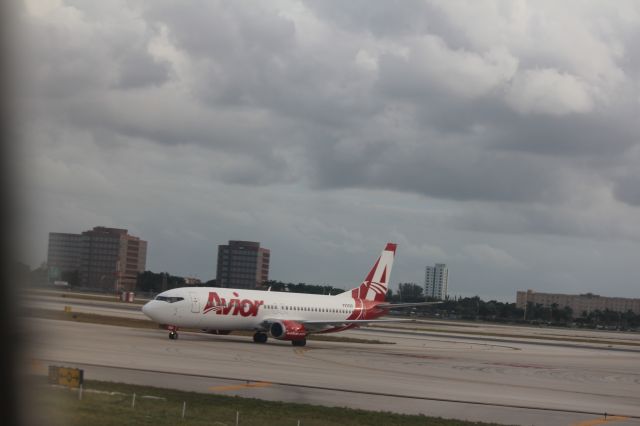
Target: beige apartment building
[579, 303]
[436, 281]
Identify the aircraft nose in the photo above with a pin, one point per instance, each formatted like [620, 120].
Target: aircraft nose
[146, 308]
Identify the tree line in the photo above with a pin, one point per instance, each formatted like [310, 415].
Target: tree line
[474, 308]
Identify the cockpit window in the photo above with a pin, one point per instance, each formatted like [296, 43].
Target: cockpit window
[169, 299]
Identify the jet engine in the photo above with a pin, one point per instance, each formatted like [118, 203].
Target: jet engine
[287, 330]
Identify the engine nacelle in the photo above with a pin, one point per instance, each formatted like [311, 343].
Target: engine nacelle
[287, 330]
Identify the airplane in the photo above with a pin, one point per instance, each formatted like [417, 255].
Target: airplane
[280, 315]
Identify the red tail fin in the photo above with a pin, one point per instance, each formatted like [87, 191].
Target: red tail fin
[376, 283]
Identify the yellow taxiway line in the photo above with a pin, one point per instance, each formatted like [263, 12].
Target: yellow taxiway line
[608, 419]
[239, 387]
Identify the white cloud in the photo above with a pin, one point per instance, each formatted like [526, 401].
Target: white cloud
[548, 91]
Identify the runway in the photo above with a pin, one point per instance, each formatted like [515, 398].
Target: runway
[417, 374]
[488, 332]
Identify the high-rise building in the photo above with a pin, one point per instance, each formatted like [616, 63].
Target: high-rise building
[436, 281]
[105, 258]
[242, 264]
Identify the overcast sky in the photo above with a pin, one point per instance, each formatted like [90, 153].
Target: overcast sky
[498, 137]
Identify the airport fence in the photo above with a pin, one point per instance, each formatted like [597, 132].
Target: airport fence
[160, 407]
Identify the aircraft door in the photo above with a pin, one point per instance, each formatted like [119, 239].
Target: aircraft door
[195, 303]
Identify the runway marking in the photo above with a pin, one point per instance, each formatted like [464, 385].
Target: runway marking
[609, 419]
[239, 387]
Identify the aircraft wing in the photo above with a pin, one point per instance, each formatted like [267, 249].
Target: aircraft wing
[404, 305]
[317, 325]
[346, 322]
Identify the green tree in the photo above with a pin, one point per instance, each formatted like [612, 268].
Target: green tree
[158, 282]
[410, 292]
[40, 275]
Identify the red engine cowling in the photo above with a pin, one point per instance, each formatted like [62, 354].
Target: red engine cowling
[287, 330]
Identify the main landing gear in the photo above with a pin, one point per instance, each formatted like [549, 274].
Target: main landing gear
[173, 332]
[260, 338]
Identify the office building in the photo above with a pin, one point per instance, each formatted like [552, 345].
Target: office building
[242, 264]
[63, 255]
[106, 259]
[436, 281]
[578, 303]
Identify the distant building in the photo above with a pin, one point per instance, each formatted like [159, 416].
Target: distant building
[578, 303]
[192, 281]
[242, 264]
[105, 258]
[436, 281]
[63, 254]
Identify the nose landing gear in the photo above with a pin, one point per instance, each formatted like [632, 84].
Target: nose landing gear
[173, 332]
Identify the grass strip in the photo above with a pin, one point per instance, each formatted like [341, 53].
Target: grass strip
[108, 403]
[143, 323]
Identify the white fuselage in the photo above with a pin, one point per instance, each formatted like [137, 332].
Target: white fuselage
[213, 308]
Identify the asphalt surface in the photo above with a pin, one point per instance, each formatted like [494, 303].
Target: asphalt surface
[505, 380]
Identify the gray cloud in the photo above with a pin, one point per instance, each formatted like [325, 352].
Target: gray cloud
[139, 69]
[627, 190]
[459, 129]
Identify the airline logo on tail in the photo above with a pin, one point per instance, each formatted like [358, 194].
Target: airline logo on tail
[375, 285]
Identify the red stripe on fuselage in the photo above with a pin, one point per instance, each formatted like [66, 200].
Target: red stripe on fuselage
[366, 309]
[357, 309]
